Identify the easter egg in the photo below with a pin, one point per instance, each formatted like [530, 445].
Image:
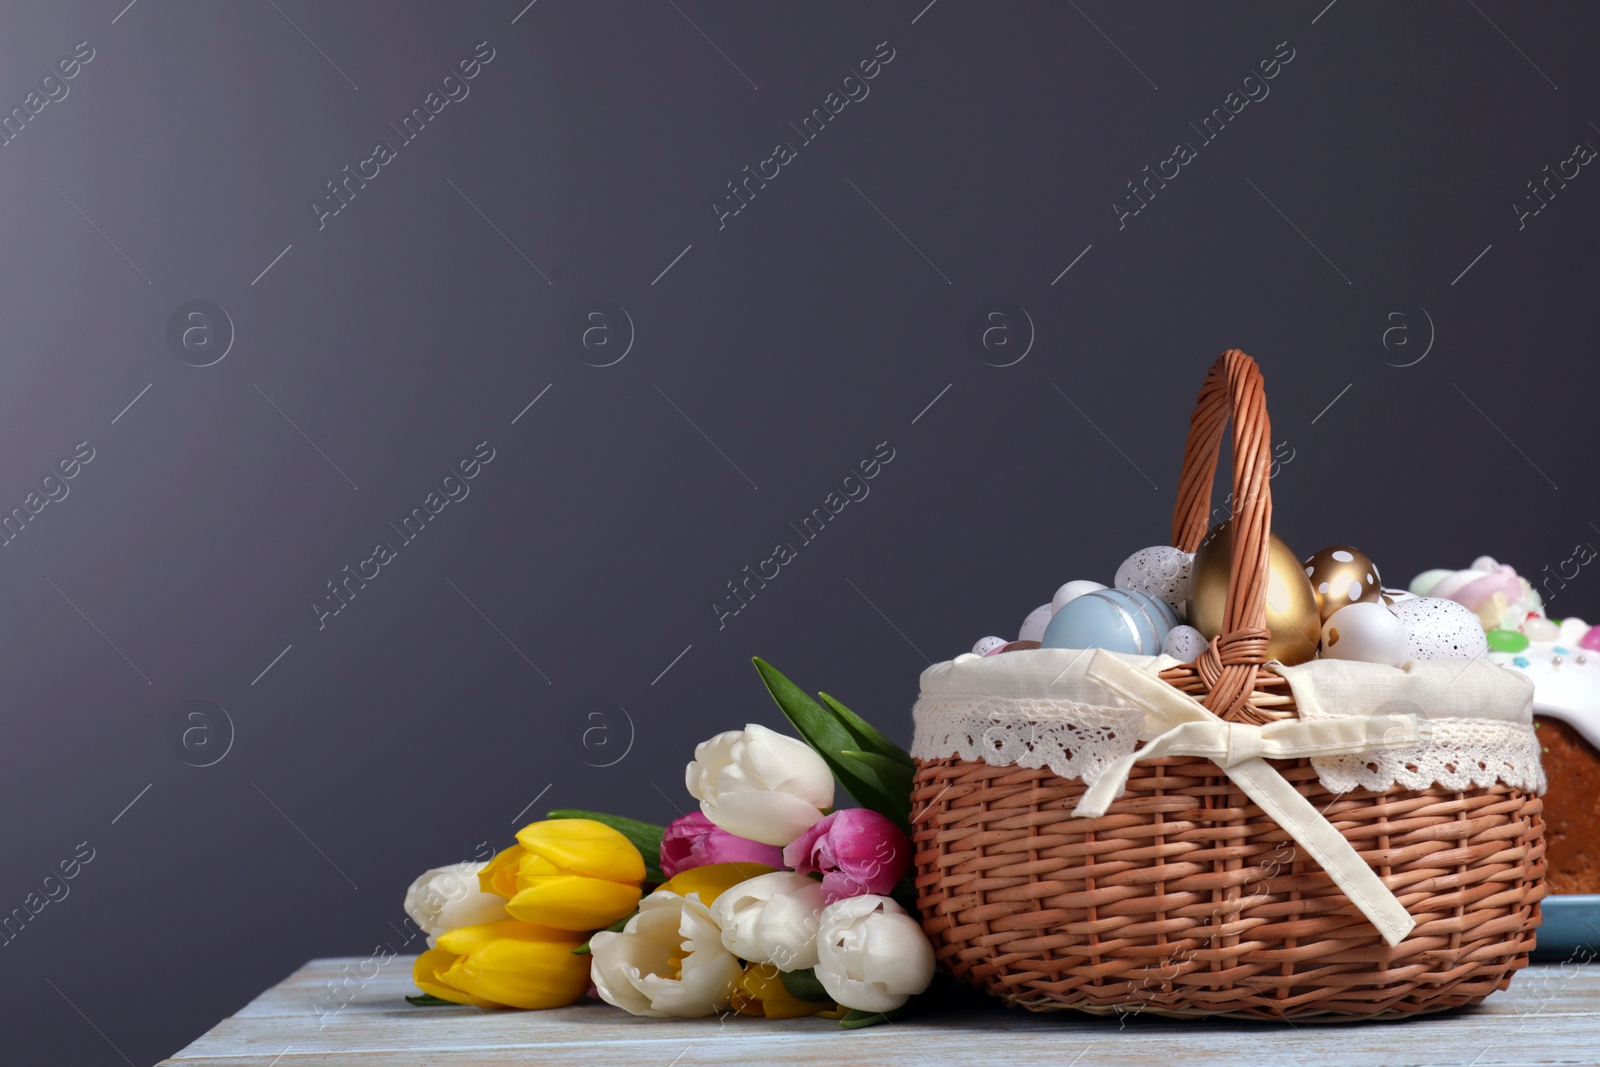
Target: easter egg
[1365, 631]
[1072, 590]
[1292, 615]
[987, 645]
[1394, 596]
[1020, 646]
[1033, 626]
[1184, 643]
[1121, 620]
[1341, 575]
[1161, 571]
[1440, 628]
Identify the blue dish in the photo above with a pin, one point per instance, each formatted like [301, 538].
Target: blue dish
[1571, 929]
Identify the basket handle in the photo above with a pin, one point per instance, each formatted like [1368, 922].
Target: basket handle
[1232, 388]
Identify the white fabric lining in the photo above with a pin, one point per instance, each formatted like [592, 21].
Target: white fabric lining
[1039, 709]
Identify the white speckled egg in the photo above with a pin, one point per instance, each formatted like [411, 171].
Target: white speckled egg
[988, 645]
[1033, 626]
[1368, 632]
[1072, 590]
[1437, 628]
[1184, 643]
[1160, 571]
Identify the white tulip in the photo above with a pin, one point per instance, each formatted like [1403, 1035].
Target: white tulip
[635, 970]
[448, 898]
[871, 955]
[772, 918]
[760, 784]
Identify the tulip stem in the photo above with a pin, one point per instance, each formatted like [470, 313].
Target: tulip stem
[615, 928]
[804, 985]
[855, 1018]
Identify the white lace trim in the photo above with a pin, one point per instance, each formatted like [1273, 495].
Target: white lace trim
[1073, 740]
[1465, 753]
[1080, 740]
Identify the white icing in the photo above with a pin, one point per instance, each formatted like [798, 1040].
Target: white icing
[1569, 690]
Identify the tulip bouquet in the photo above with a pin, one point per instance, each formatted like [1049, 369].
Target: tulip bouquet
[768, 901]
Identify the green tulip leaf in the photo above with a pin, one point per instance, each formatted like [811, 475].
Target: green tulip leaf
[870, 738]
[615, 928]
[855, 1018]
[823, 731]
[428, 1000]
[892, 773]
[803, 985]
[644, 836]
[892, 781]
[904, 893]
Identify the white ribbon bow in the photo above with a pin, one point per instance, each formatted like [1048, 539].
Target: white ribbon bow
[1176, 724]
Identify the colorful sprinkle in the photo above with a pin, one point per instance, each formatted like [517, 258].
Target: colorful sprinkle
[1520, 661]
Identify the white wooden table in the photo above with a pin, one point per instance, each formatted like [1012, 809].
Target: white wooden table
[1551, 1014]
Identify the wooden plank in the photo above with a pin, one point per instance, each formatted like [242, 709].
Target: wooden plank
[1551, 1014]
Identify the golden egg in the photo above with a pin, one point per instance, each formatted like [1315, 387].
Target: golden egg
[1292, 613]
[1340, 576]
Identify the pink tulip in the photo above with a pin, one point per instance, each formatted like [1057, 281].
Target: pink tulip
[695, 841]
[856, 850]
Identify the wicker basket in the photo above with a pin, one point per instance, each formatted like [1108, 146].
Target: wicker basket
[1172, 902]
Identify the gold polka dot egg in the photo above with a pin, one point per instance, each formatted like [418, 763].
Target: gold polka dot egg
[1341, 576]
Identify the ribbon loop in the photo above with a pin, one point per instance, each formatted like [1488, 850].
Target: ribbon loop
[1176, 724]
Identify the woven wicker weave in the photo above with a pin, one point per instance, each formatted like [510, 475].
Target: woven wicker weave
[1184, 899]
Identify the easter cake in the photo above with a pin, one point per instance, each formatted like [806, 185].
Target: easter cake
[1562, 659]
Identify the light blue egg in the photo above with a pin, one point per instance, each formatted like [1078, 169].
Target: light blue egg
[1121, 620]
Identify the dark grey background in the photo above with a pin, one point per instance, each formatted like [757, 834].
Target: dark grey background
[819, 322]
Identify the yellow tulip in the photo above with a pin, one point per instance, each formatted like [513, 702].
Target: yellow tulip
[572, 874]
[507, 963]
[760, 991]
[712, 880]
